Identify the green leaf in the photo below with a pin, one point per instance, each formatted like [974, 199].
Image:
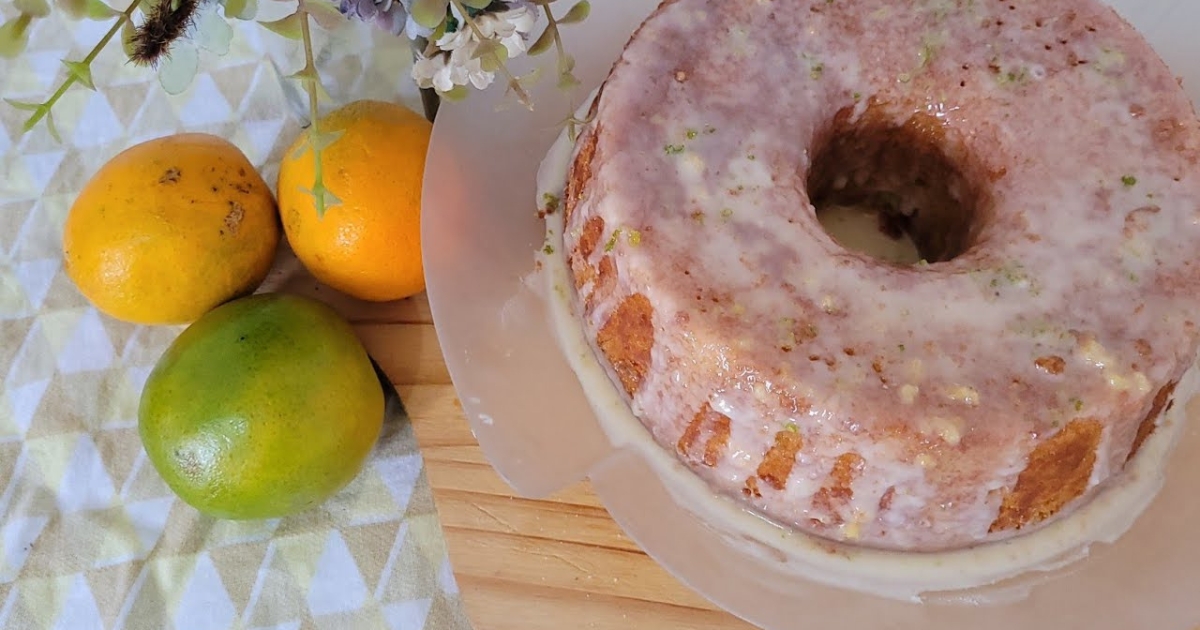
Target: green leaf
[477, 4]
[24, 106]
[51, 127]
[322, 197]
[90, 9]
[308, 76]
[288, 27]
[302, 148]
[213, 33]
[489, 47]
[35, 8]
[178, 69]
[490, 64]
[457, 93]
[566, 64]
[429, 13]
[331, 200]
[127, 33]
[516, 88]
[241, 9]
[14, 36]
[567, 81]
[543, 43]
[97, 10]
[495, 61]
[439, 31]
[577, 13]
[324, 138]
[324, 13]
[530, 77]
[82, 71]
[305, 75]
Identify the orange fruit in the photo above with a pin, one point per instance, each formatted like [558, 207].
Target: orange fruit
[368, 243]
[170, 228]
[264, 407]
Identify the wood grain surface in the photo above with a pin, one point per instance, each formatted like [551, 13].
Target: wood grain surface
[521, 564]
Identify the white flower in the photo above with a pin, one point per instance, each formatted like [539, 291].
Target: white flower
[463, 36]
[511, 28]
[433, 72]
[446, 70]
[455, 62]
[470, 68]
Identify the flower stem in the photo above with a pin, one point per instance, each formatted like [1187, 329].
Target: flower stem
[552, 24]
[310, 77]
[513, 83]
[44, 110]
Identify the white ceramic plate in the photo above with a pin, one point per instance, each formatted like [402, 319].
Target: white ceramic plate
[480, 234]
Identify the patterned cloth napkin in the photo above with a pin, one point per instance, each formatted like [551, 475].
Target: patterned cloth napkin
[90, 536]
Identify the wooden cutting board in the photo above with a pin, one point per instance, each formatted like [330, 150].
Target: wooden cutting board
[521, 564]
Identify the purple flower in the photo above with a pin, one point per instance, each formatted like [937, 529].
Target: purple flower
[388, 15]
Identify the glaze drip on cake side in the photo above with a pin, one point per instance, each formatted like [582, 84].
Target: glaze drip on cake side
[908, 407]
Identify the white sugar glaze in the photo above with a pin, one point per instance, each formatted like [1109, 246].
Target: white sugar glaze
[1084, 258]
[989, 573]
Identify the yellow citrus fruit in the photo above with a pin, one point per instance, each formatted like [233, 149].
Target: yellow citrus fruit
[368, 244]
[263, 407]
[170, 228]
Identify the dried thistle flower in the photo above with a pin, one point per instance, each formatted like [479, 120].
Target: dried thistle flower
[166, 22]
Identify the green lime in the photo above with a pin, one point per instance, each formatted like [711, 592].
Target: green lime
[263, 407]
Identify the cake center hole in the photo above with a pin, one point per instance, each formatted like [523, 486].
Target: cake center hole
[892, 193]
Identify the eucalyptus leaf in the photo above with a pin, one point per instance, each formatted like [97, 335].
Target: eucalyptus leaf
[35, 8]
[288, 27]
[14, 36]
[82, 71]
[577, 13]
[178, 69]
[543, 42]
[213, 33]
[429, 13]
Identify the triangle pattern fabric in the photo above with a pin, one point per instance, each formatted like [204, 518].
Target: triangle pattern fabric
[204, 604]
[91, 536]
[337, 586]
[79, 611]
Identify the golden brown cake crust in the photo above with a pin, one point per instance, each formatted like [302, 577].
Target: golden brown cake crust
[920, 408]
